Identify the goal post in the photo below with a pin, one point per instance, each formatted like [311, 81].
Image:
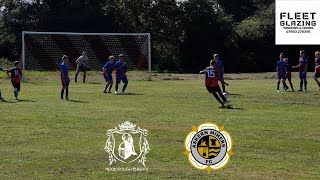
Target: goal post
[42, 51]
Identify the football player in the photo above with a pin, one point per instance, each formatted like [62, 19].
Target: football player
[64, 75]
[121, 69]
[317, 68]
[211, 82]
[16, 76]
[281, 72]
[107, 74]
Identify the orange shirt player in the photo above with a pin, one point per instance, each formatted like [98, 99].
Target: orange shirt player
[211, 82]
[317, 68]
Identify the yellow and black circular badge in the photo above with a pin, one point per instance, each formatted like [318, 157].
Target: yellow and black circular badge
[208, 147]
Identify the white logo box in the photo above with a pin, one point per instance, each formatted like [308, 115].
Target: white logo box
[297, 22]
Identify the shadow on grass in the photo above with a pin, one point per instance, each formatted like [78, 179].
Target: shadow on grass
[131, 94]
[92, 83]
[234, 94]
[16, 101]
[230, 107]
[77, 101]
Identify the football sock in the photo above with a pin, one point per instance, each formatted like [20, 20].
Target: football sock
[301, 83]
[223, 87]
[284, 85]
[117, 87]
[124, 87]
[75, 78]
[305, 85]
[278, 85]
[84, 78]
[222, 97]
[105, 89]
[15, 92]
[110, 87]
[217, 98]
[317, 83]
[62, 92]
[67, 92]
[291, 85]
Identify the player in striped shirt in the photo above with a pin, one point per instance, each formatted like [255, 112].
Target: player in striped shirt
[16, 76]
[64, 75]
[107, 73]
[317, 68]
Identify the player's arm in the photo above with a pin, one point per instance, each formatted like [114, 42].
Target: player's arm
[295, 67]
[8, 71]
[77, 61]
[125, 68]
[306, 67]
[203, 71]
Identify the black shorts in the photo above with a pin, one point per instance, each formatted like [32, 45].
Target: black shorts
[16, 85]
[214, 89]
[81, 68]
[317, 75]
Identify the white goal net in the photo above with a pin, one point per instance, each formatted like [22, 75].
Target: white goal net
[42, 51]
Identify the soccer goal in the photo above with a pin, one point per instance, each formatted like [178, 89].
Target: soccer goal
[42, 51]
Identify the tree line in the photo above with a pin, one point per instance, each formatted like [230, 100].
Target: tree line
[184, 34]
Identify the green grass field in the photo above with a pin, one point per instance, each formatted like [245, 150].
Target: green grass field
[275, 135]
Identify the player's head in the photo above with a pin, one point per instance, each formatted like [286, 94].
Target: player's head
[212, 62]
[17, 64]
[317, 54]
[302, 53]
[281, 56]
[111, 59]
[65, 59]
[121, 57]
[216, 57]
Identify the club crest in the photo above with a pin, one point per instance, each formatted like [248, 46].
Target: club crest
[127, 144]
[208, 147]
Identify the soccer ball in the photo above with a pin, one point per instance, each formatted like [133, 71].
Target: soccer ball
[225, 95]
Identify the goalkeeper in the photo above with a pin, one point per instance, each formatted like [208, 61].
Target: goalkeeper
[82, 63]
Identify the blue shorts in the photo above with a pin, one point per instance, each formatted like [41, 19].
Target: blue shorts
[124, 79]
[108, 78]
[302, 75]
[282, 76]
[65, 83]
[221, 77]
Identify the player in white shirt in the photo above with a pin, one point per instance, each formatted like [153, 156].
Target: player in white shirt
[82, 64]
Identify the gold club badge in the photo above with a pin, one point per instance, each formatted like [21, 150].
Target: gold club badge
[208, 147]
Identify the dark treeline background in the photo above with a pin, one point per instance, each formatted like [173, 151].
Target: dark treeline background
[185, 34]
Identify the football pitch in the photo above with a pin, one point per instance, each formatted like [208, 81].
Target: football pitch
[275, 135]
